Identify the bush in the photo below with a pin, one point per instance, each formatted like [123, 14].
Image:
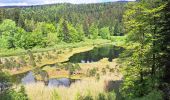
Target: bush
[102, 96]
[153, 95]
[14, 95]
[91, 72]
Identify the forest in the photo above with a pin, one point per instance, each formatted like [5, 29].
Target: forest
[64, 22]
[98, 51]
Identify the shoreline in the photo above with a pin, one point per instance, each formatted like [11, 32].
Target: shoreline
[60, 58]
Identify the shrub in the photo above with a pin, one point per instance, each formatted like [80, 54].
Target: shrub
[153, 95]
[102, 96]
[111, 95]
[14, 95]
[92, 72]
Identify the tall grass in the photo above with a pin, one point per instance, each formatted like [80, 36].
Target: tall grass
[85, 87]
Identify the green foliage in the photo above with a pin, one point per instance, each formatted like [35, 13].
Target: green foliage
[14, 95]
[7, 29]
[142, 68]
[94, 31]
[107, 96]
[111, 95]
[44, 26]
[153, 95]
[101, 96]
[91, 72]
[81, 34]
[118, 29]
[32, 32]
[72, 68]
[47, 32]
[8, 93]
[105, 33]
[72, 34]
[4, 77]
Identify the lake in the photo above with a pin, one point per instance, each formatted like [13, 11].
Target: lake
[96, 54]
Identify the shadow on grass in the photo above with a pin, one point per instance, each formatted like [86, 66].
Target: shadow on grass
[114, 85]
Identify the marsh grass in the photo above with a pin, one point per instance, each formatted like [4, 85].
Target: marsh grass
[85, 87]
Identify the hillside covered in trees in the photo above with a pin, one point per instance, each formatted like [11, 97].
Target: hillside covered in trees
[51, 24]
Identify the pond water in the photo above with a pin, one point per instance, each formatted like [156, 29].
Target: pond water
[98, 53]
[29, 78]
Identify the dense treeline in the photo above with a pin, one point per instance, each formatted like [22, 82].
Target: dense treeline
[146, 71]
[42, 26]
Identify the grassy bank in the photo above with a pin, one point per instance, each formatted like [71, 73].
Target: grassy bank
[87, 42]
[60, 53]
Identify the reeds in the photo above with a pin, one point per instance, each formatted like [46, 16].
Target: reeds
[85, 87]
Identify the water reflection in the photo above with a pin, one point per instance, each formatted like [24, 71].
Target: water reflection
[98, 53]
[29, 78]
